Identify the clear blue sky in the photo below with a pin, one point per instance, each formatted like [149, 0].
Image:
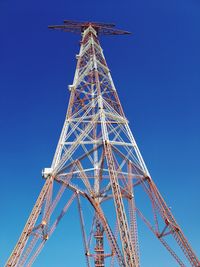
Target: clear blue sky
[156, 72]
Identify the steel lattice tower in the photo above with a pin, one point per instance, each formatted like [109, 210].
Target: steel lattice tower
[97, 163]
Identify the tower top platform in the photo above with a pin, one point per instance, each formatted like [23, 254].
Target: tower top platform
[80, 26]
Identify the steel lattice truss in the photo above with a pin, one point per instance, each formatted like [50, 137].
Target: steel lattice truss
[98, 161]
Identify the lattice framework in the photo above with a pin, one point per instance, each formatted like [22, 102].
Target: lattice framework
[98, 161]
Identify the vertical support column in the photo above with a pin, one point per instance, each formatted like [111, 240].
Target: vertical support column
[99, 248]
